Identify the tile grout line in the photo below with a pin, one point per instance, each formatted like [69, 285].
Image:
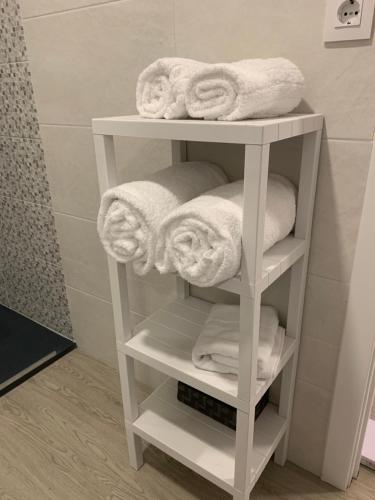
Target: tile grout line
[93, 221]
[307, 382]
[343, 282]
[72, 9]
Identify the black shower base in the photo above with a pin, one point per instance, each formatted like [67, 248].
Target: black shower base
[26, 348]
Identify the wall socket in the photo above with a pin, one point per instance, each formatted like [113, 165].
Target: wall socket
[348, 20]
[349, 13]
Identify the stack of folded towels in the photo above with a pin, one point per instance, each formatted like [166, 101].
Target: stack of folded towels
[217, 347]
[174, 88]
[187, 218]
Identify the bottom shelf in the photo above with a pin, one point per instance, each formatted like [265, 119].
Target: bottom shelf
[201, 443]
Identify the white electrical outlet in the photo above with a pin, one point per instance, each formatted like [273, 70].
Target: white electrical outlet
[348, 20]
[349, 13]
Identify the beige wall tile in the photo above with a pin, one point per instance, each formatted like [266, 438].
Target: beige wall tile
[83, 257]
[137, 158]
[324, 311]
[293, 30]
[31, 8]
[309, 426]
[71, 169]
[342, 179]
[85, 63]
[93, 328]
[147, 295]
[71, 166]
[317, 363]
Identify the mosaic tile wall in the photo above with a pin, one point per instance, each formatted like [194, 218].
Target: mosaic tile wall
[31, 278]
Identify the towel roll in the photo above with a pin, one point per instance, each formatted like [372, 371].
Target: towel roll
[161, 88]
[130, 214]
[251, 88]
[217, 347]
[201, 239]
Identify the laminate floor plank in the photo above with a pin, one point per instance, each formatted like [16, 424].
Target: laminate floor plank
[62, 438]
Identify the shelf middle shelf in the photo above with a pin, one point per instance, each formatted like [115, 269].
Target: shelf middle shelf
[165, 341]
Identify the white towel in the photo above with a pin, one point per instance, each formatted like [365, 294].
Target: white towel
[217, 347]
[201, 240]
[161, 88]
[130, 214]
[251, 88]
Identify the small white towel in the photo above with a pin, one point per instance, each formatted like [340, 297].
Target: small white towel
[161, 88]
[217, 347]
[251, 88]
[130, 214]
[201, 240]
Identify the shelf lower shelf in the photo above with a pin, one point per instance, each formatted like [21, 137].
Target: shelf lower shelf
[276, 261]
[165, 341]
[200, 443]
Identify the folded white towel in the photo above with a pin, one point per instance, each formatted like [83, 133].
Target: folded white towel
[161, 88]
[251, 88]
[130, 214]
[201, 240]
[217, 347]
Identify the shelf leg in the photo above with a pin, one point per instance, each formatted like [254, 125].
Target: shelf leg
[306, 196]
[241, 495]
[255, 191]
[179, 154]
[135, 449]
[107, 175]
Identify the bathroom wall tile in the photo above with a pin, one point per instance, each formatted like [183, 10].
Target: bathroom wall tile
[23, 171]
[309, 426]
[3, 291]
[71, 168]
[342, 179]
[9, 174]
[71, 165]
[32, 8]
[32, 231]
[93, 327]
[12, 43]
[317, 363]
[18, 116]
[324, 311]
[147, 295]
[36, 289]
[5, 222]
[118, 40]
[292, 30]
[83, 258]
[137, 158]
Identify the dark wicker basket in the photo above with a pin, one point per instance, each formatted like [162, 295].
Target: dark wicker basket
[214, 408]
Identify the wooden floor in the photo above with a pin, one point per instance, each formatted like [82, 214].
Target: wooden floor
[61, 438]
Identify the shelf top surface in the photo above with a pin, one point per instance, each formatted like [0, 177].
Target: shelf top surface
[256, 131]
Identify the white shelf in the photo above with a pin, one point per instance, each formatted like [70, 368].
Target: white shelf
[200, 443]
[276, 261]
[240, 132]
[165, 340]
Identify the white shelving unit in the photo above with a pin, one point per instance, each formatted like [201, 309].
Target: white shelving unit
[233, 460]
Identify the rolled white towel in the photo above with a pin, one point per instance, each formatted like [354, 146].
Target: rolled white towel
[201, 239]
[217, 347]
[251, 88]
[161, 88]
[130, 214]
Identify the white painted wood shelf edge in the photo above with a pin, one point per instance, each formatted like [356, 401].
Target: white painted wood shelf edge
[259, 131]
[165, 340]
[201, 443]
[276, 261]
